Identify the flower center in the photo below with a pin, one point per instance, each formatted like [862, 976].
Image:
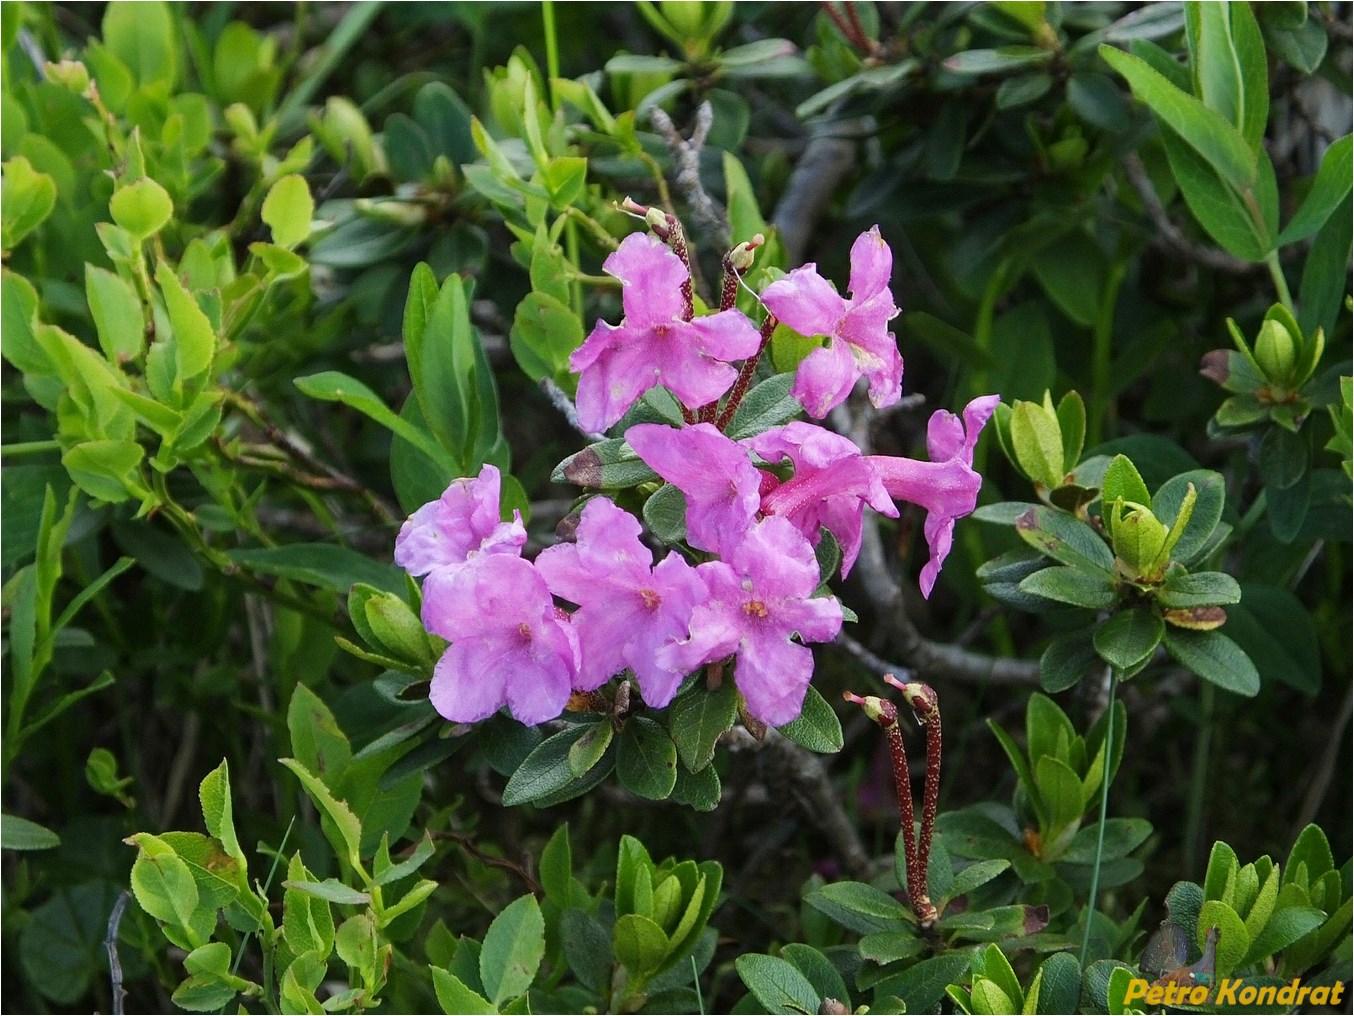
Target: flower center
[755, 608]
[524, 630]
[651, 598]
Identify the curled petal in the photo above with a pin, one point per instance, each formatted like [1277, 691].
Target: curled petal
[824, 379]
[806, 302]
[653, 277]
[871, 264]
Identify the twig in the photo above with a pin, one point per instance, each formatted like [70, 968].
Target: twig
[1170, 234]
[820, 799]
[110, 944]
[1319, 782]
[875, 663]
[826, 162]
[708, 215]
[566, 406]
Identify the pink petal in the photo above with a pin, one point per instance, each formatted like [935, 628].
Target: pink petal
[728, 335]
[773, 675]
[824, 379]
[615, 381]
[653, 277]
[806, 302]
[871, 264]
[469, 681]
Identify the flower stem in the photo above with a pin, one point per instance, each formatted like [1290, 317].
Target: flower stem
[746, 374]
[1280, 283]
[1104, 810]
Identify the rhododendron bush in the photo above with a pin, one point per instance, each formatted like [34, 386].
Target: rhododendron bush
[470, 542]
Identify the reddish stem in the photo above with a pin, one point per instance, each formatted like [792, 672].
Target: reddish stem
[746, 374]
[926, 706]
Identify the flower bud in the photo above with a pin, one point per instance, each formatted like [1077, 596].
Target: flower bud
[71, 75]
[880, 710]
[1138, 543]
[741, 256]
[1276, 351]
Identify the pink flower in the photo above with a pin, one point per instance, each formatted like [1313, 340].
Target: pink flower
[859, 342]
[761, 595]
[714, 472]
[461, 524]
[831, 485]
[627, 609]
[510, 645]
[947, 486]
[653, 345]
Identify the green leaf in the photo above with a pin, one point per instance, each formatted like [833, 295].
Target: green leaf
[345, 822]
[22, 834]
[1065, 539]
[545, 770]
[454, 997]
[923, 985]
[194, 337]
[288, 210]
[141, 208]
[333, 386]
[513, 949]
[768, 404]
[996, 61]
[218, 815]
[588, 750]
[1214, 657]
[116, 310]
[107, 470]
[1129, 638]
[556, 867]
[975, 875]
[331, 890]
[1059, 985]
[316, 740]
[1322, 291]
[777, 985]
[1329, 189]
[1072, 585]
[607, 465]
[646, 759]
[1233, 940]
[325, 565]
[1220, 144]
[701, 790]
[1062, 792]
[639, 943]
[141, 35]
[1283, 458]
[162, 883]
[1038, 443]
[26, 199]
[1287, 926]
[1201, 589]
[1210, 497]
[697, 719]
[817, 727]
[61, 946]
[1068, 658]
[544, 332]
[665, 514]
[858, 907]
[1122, 481]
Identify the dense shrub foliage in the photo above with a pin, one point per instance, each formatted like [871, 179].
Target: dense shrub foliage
[493, 493]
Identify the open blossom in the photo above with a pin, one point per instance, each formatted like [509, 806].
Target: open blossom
[653, 345]
[627, 609]
[714, 472]
[761, 595]
[947, 486]
[831, 485]
[510, 645]
[859, 342]
[458, 526]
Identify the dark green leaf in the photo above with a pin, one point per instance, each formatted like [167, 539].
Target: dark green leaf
[545, 770]
[1073, 586]
[1129, 637]
[817, 727]
[665, 514]
[1214, 657]
[697, 719]
[768, 404]
[1210, 496]
[994, 61]
[320, 564]
[1329, 189]
[646, 759]
[22, 834]
[922, 986]
[1275, 629]
[777, 985]
[1065, 539]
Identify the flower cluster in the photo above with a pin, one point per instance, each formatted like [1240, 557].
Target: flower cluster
[746, 585]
